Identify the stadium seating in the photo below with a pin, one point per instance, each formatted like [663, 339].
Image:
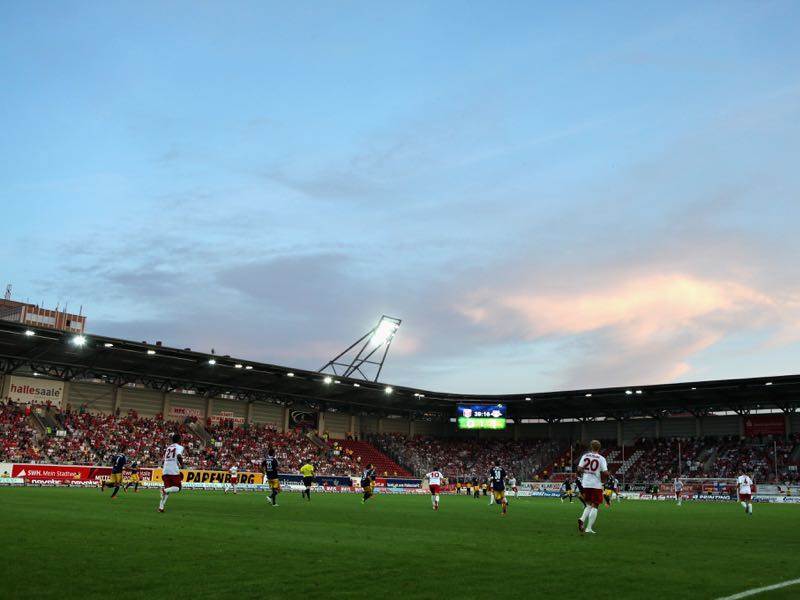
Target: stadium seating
[81, 437]
[364, 453]
[465, 458]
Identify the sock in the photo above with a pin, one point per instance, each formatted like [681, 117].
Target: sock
[437, 498]
[749, 508]
[164, 498]
[505, 507]
[585, 514]
[136, 487]
[116, 489]
[273, 497]
[592, 517]
[744, 505]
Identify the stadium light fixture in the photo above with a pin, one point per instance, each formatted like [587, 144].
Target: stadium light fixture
[694, 388]
[151, 352]
[108, 345]
[212, 361]
[328, 380]
[29, 332]
[248, 368]
[589, 395]
[768, 383]
[638, 391]
[238, 366]
[290, 374]
[384, 331]
[79, 340]
[35, 374]
[356, 385]
[388, 389]
[628, 392]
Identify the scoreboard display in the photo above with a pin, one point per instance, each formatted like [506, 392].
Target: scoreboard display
[481, 416]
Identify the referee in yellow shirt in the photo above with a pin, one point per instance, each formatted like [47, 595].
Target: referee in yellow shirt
[307, 470]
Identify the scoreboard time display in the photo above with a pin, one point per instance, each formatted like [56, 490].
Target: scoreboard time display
[481, 416]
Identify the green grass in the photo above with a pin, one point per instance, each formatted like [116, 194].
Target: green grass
[76, 543]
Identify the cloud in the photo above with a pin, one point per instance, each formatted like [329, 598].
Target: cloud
[636, 328]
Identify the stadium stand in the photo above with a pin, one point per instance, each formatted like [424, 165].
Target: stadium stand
[466, 457]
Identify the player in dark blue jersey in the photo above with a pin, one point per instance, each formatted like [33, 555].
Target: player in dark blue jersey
[270, 467]
[497, 478]
[117, 465]
[368, 482]
[579, 489]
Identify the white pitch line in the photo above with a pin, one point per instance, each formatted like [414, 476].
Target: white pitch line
[768, 588]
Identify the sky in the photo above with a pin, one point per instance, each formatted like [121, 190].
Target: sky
[549, 195]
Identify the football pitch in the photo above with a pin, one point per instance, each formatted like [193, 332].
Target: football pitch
[77, 543]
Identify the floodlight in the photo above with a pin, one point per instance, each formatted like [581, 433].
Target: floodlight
[29, 332]
[768, 383]
[589, 395]
[638, 391]
[238, 366]
[388, 389]
[384, 331]
[151, 352]
[79, 340]
[108, 345]
[248, 368]
[290, 374]
[328, 380]
[212, 361]
[356, 385]
[628, 392]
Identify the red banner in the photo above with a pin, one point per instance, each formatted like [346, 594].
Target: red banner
[764, 425]
[67, 473]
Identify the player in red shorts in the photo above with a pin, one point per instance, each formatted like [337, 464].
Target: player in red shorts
[744, 488]
[434, 482]
[171, 471]
[592, 469]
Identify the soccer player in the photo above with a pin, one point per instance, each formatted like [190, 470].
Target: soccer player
[609, 488]
[234, 479]
[134, 481]
[476, 488]
[307, 471]
[497, 475]
[270, 466]
[434, 482]
[513, 483]
[592, 468]
[566, 490]
[579, 490]
[171, 471]
[368, 482]
[744, 488]
[115, 479]
[677, 485]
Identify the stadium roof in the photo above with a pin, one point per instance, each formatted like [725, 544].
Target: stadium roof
[25, 350]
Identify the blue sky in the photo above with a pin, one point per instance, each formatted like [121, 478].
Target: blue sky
[549, 196]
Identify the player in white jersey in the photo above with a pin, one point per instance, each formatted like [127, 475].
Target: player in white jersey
[435, 478]
[592, 469]
[512, 482]
[171, 471]
[234, 479]
[677, 485]
[744, 488]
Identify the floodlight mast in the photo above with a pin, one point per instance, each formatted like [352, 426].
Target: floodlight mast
[377, 338]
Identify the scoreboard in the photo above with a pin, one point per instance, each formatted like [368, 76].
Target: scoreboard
[481, 416]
